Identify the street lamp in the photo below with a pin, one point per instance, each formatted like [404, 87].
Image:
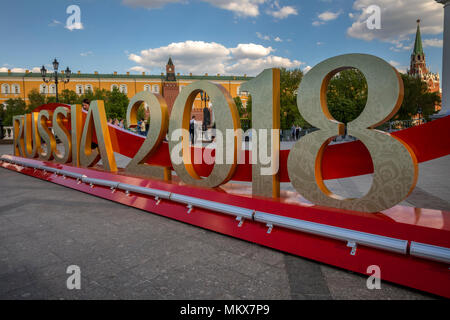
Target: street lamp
[204, 97]
[54, 76]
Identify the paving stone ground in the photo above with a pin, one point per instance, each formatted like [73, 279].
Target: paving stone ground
[125, 253]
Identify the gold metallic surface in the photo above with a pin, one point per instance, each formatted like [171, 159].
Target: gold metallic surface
[44, 118]
[265, 92]
[76, 128]
[31, 134]
[63, 134]
[395, 165]
[226, 116]
[96, 118]
[19, 143]
[159, 121]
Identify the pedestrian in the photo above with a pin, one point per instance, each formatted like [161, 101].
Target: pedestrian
[293, 132]
[86, 103]
[192, 128]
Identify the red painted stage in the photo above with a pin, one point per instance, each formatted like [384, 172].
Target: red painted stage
[410, 245]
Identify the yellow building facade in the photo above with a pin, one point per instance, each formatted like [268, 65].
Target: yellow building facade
[19, 85]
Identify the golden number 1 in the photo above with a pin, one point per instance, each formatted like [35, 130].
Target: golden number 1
[265, 92]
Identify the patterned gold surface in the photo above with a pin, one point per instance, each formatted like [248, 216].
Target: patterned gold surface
[96, 117]
[63, 134]
[76, 124]
[265, 92]
[44, 118]
[31, 135]
[395, 165]
[19, 143]
[159, 122]
[226, 116]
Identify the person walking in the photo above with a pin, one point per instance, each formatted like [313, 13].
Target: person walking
[192, 129]
[293, 132]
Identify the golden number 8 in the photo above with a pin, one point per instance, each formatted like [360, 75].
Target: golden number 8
[395, 165]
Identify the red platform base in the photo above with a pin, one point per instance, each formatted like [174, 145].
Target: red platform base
[417, 225]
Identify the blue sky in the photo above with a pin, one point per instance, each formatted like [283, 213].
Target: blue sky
[214, 36]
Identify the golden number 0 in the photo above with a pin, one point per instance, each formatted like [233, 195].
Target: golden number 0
[395, 165]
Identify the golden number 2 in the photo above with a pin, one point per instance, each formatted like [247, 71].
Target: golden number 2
[159, 120]
[395, 165]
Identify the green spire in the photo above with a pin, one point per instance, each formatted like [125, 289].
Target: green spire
[418, 44]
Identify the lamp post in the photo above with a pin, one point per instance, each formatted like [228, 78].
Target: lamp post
[54, 76]
[445, 79]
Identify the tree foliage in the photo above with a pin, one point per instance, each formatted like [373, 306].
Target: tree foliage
[347, 95]
[14, 107]
[116, 102]
[417, 96]
[289, 83]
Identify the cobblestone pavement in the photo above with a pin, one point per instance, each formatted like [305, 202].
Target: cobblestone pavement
[125, 253]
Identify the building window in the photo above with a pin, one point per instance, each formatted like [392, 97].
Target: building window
[155, 88]
[123, 88]
[52, 89]
[88, 88]
[43, 89]
[147, 87]
[79, 89]
[114, 86]
[5, 88]
[15, 89]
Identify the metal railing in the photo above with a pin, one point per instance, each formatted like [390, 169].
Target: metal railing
[353, 238]
[7, 133]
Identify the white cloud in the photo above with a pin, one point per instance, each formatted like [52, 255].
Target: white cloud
[20, 70]
[282, 12]
[278, 39]
[138, 69]
[150, 4]
[328, 15]
[398, 21]
[250, 50]
[255, 66]
[262, 37]
[54, 23]
[306, 69]
[325, 17]
[74, 26]
[397, 65]
[200, 57]
[433, 43]
[248, 8]
[85, 54]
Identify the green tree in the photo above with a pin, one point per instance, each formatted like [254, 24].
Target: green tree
[289, 83]
[14, 107]
[347, 95]
[68, 97]
[116, 104]
[35, 99]
[417, 95]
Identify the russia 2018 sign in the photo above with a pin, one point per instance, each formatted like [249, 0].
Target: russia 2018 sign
[199, 195]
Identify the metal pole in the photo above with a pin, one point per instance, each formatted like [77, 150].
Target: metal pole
[445, 79]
